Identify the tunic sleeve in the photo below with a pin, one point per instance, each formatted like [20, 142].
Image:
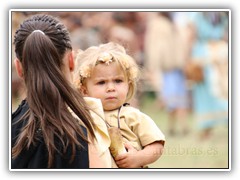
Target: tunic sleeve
[144, 127]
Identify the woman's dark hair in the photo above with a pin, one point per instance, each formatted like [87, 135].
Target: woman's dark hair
[41, 44]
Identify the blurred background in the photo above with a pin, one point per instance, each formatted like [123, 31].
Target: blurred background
[183, 87]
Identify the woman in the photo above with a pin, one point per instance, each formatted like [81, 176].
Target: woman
[44, 132]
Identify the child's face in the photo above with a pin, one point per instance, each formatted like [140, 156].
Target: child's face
[108, 83]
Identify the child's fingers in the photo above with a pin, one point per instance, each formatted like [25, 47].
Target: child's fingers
[120, 157]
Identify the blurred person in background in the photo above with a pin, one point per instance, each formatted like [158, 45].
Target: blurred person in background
[122, 31]
[84, 30]
[165, 58]
[210, 51]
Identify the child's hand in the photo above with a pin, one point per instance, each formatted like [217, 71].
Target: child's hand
[129, 159]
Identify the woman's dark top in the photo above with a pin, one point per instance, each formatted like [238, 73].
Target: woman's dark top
[36, 157]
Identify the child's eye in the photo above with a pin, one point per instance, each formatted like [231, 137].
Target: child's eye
[118, 80]
[101, 82]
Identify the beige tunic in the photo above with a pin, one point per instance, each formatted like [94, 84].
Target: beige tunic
[102, 142]
[136, 127]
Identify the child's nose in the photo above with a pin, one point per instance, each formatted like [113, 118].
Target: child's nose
[110, 87]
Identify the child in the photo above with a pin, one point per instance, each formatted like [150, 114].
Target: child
[106, 72]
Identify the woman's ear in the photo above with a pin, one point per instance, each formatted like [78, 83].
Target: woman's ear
[18, 66]
[71, 61]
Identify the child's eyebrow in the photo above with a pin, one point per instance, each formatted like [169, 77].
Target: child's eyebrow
[99, 79]
[119, 76]
[114, 77]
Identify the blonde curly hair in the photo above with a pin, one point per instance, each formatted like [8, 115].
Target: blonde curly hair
[105, 53]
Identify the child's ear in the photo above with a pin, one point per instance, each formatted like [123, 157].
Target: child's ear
[84, 91]
[18, 66]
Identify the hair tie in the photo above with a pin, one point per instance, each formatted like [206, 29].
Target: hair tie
[37, 30]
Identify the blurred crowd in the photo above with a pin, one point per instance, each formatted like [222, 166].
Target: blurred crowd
[164, 44]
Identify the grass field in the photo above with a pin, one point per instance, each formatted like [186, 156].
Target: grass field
[189, 151]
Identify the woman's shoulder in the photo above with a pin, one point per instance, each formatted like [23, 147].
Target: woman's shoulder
[22, 108]
[16, 116]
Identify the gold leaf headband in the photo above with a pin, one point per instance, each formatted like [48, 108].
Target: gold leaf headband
[106, 58]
